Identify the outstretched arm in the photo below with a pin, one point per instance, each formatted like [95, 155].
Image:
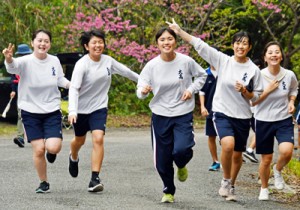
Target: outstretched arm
[175, 27]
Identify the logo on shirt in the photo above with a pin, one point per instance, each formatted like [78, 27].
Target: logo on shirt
[283, 85]
[108, 71]
[245, 77]
[53, 71]
[180, 74]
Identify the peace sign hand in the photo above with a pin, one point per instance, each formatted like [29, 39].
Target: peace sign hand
[8, 52]
[174, 26]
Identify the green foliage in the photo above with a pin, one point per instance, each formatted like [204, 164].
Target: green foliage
[216, 21]
[123, 99]
[294, 166]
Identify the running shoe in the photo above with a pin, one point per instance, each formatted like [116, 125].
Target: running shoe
[215, 167]
[231, 194]
[278, 179]
[50, 157]
[73, 167]
[95, 185]
[19, 141]
[182, 174]
[250, 156]
[264, 194]
[167, 198]
[43, 188]
[225, 187]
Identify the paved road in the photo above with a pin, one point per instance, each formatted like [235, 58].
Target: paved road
[130, 180]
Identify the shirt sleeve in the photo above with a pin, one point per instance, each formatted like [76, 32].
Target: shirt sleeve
[118, 68]
[75, 85]
[257, 84]
[62, 81]
[199, 75]
[144, 80]
[208, 53]
[294, 85]
[13, 67]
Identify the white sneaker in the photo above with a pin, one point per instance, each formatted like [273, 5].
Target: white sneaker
[278, 180]
[231, 195]
[264, 194]
[225, 187]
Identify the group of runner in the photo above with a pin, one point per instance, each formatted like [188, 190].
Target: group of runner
[173, 79]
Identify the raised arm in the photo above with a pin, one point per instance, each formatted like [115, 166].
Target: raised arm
[8, 53]
[175, 27]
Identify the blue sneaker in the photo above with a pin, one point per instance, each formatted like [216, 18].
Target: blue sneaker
[215, 167]
[19, 141]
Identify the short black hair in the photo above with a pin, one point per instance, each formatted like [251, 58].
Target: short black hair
[41, 30]
[162, 30]
[87, 35]
[240, 35]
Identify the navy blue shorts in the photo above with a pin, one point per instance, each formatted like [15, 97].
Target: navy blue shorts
[238, 128]
[210, 128]
[89, 122]
[283, 130]
[42, 126]
[298, 120]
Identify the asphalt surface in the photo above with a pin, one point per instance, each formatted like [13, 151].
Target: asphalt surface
[129, 178]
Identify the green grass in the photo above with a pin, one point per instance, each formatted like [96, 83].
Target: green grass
[7, 129]
[294, 166]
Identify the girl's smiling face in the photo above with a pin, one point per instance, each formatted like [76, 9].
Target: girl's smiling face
[95, 47]
[241, 48]
[166, 43]
[41, 43]
[273, 55]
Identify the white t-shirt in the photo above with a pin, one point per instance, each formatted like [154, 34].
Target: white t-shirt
[39, 81]
[275, 105]
[169, 80]
[226, 99]
[91, 81]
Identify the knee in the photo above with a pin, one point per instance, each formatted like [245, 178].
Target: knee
[227, 145]
[286, 154]
[265, 162]
[286, 150]
[40, 152]
[98, 141]
[78, 141]
[237, 157]
[227, 149]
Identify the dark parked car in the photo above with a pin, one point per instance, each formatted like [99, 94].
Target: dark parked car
[67, 61]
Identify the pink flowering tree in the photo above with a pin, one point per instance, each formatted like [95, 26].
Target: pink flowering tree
[131, 25]
[132, 39]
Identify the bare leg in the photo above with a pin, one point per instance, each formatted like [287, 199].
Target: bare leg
[213, 147]
[226, 155]
[264, 169]
[76, 144]
[39, 160]
[237, 161]
[98, 150]
[53, 145]
[285, 155]
[253, 142]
